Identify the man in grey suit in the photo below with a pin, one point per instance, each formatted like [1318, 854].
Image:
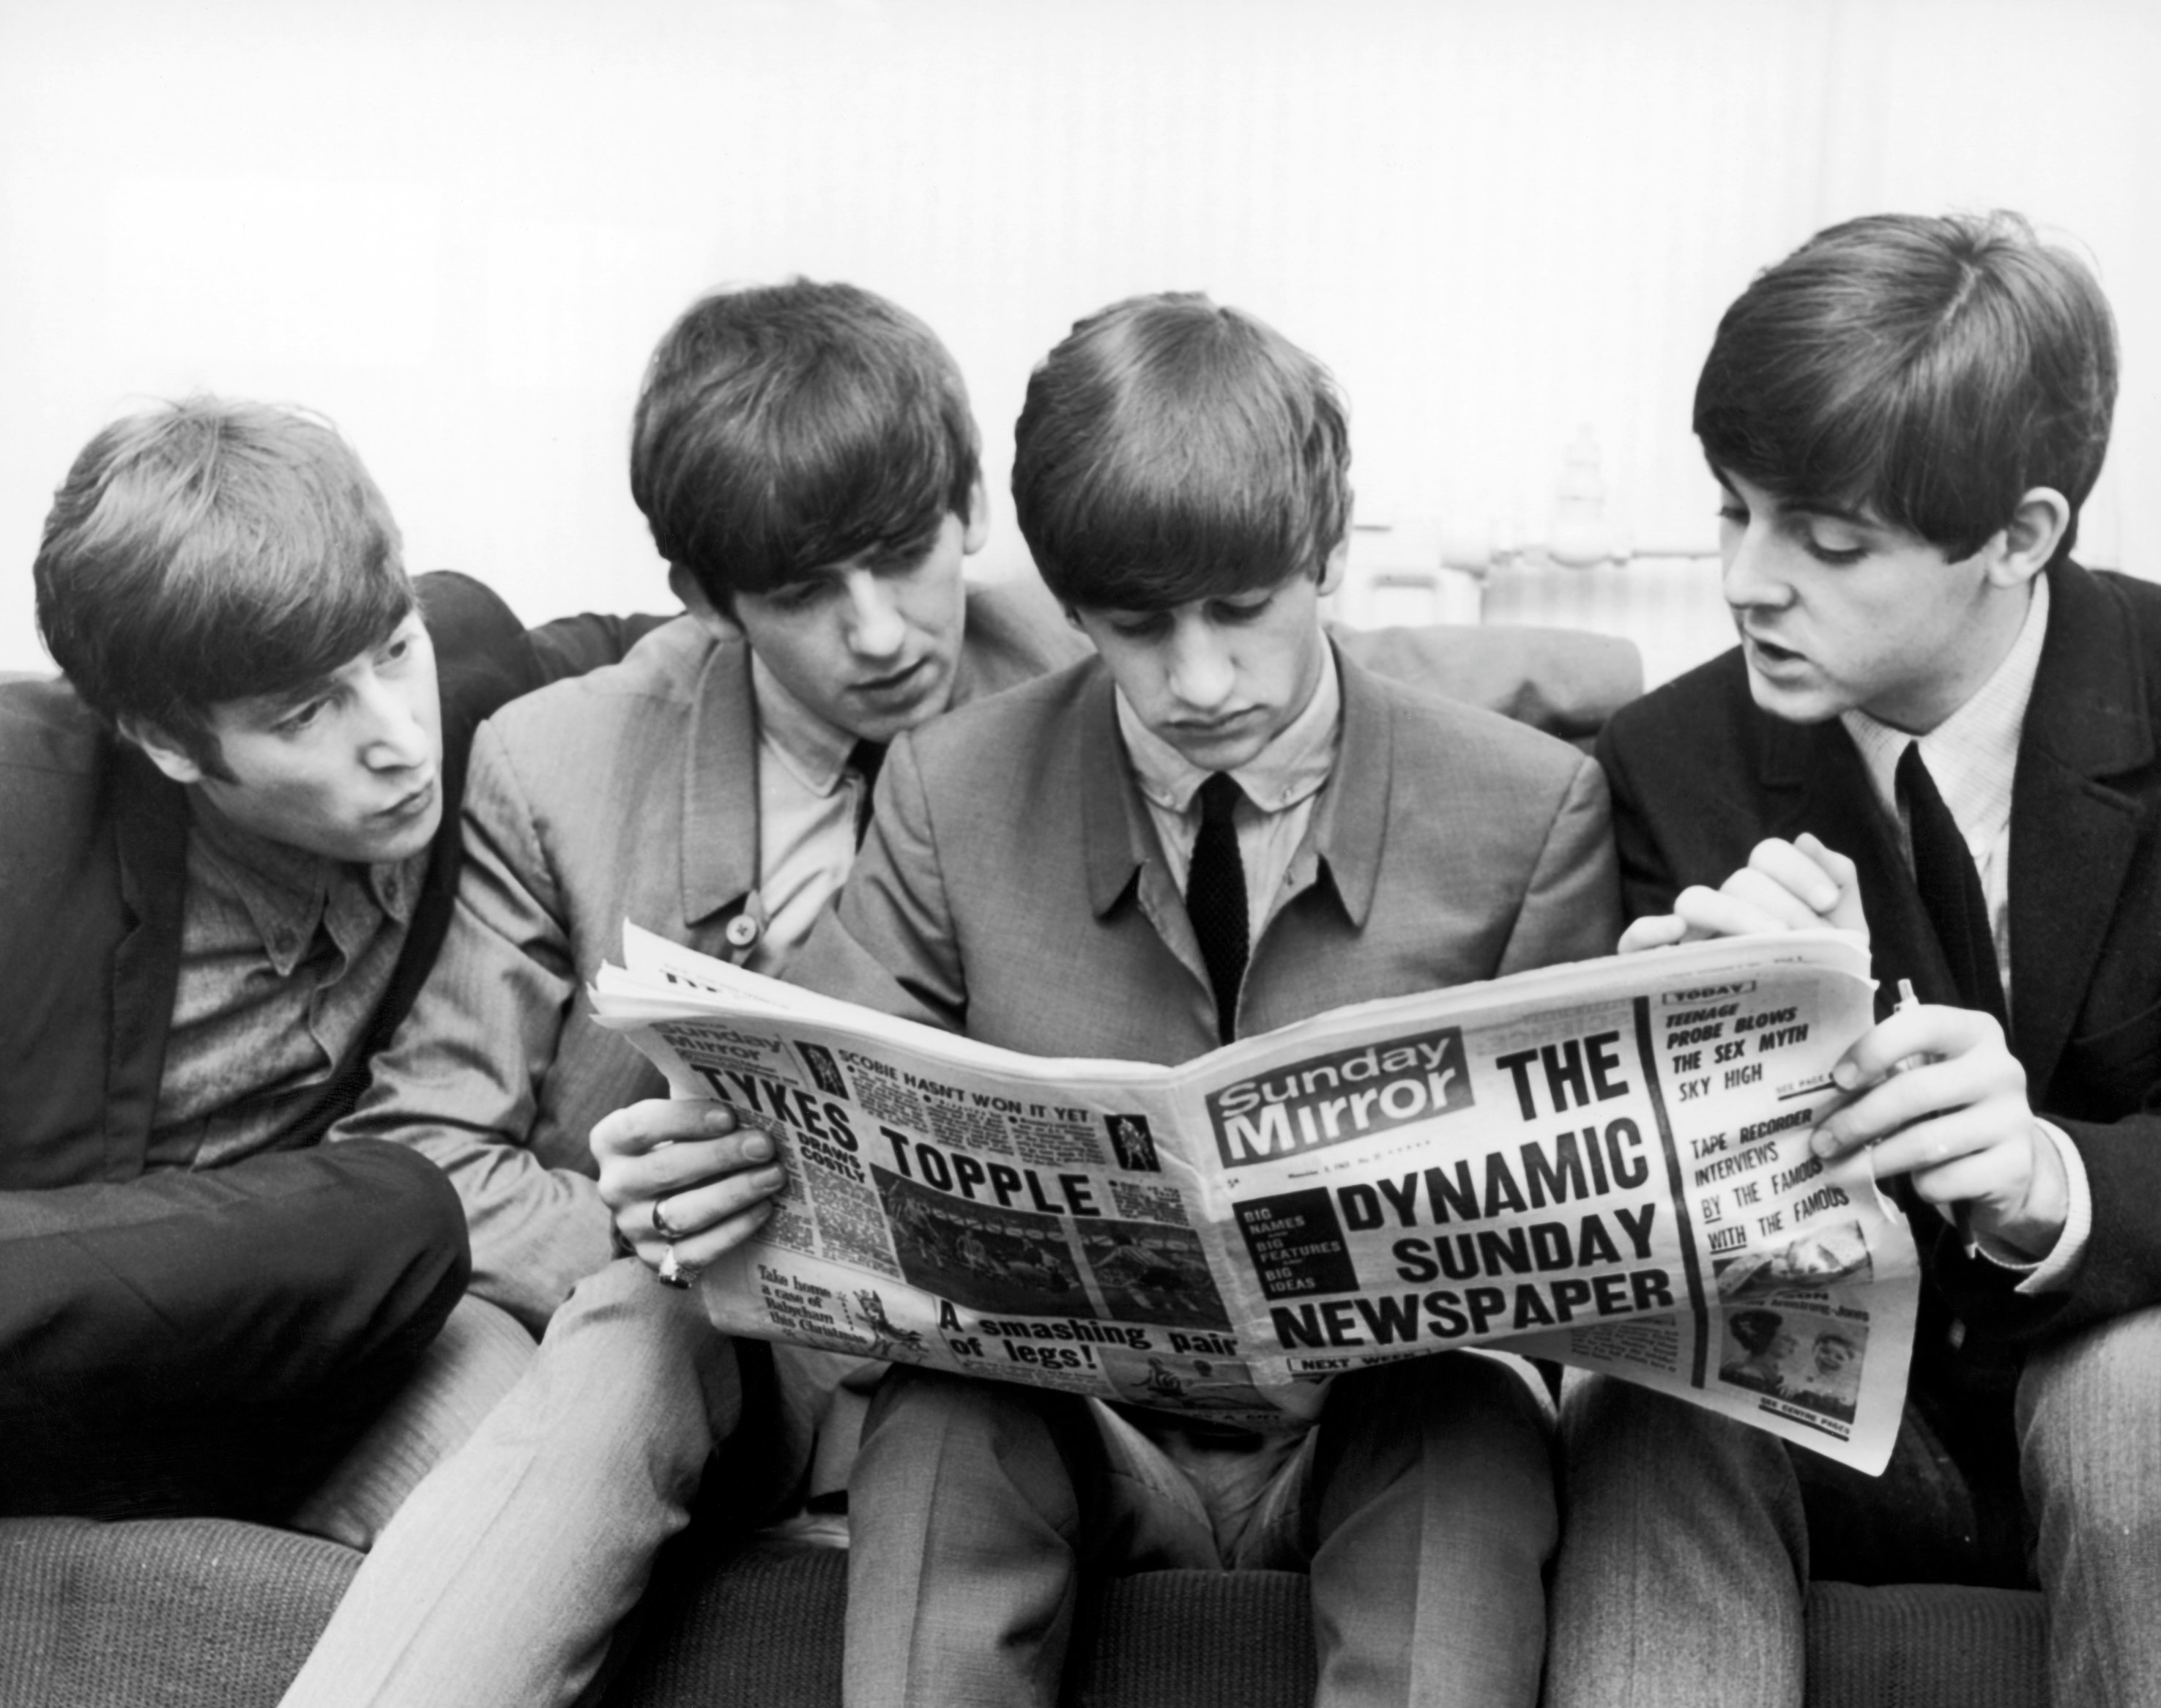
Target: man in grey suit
[806, 458]
[1218, 826]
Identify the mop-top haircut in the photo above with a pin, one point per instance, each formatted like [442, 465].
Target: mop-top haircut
[1929, 372]
[1171, 450]
[786, 429]
[211, 550]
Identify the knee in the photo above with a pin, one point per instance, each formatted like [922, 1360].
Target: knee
[650, 1350]
[2086, 1414]
[931, 1405]
[1616, 1436]
[1604, 1421]
[1449, 1393]
[1474, 1427]
[401, 1213]
[924, 1424]
[2109, 1366]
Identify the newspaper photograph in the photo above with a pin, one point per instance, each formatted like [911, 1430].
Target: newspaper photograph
[1605, 1163]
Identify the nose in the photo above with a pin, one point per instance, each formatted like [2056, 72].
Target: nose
[1202, 672]
[394, 731]
[1748, 573]
[875, 627]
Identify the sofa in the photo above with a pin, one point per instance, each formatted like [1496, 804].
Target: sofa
[212, 1613]
[208, 1613]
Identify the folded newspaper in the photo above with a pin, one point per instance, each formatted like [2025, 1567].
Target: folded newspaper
[1605, 1163]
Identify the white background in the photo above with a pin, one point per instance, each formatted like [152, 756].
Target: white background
[457, 226]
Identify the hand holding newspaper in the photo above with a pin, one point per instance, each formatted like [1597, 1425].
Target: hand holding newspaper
[1604, 1163]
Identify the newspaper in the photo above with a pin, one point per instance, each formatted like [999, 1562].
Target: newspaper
[1605, 1163]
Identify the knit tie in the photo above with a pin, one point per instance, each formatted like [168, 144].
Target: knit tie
[1950, 889]
[864, 759]
[1216, 898]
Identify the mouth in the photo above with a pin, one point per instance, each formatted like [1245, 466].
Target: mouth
[409, 807]
[898, 684]
[1768, 654]
[1212, 729]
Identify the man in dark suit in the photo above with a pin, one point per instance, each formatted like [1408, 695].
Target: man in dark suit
[222, 880]
[1940, 729]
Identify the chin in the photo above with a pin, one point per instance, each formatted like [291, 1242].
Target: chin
[886, 724]
[1797, 704]
[404, 843]
[1227, 756]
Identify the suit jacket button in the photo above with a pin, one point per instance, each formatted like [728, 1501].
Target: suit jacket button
[742, 931]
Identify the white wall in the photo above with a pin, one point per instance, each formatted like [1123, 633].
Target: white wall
[456, 226]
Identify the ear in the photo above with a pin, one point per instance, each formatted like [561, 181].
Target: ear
[168, 755]
[2023, 550]
[1339, 557]
[975, 525]
[685, 586]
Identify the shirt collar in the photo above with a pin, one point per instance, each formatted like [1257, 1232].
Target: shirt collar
[814, 750]
[288, 893]
[1291, 767]
[1973, 754]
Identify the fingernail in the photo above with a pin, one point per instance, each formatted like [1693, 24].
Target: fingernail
[1822, 1143]
[772, 1177]
[1846, 1077]
[757, 1147]
[720, 1118]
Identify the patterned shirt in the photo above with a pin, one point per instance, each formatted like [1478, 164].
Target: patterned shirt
[284, 958]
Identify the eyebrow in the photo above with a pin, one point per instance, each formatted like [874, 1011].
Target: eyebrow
[277, 703]
[1834, 513]
[1828, 511]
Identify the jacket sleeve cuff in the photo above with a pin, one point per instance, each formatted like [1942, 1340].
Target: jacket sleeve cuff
[2052, 1273]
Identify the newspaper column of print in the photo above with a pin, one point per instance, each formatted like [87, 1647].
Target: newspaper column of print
[1788, 1246]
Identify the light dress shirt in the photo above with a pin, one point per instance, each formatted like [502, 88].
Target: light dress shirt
[284, 958]
[807, 800]
[1973, 757]
[1280, 783]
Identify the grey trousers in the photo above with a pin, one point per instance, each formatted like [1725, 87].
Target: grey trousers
[1421, 1503]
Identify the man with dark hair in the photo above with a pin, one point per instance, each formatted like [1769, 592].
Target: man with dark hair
[1940, 729]
[221, 883]
[1217, 827]
[805, 457]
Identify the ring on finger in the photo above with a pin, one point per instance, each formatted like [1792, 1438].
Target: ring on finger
[662, 1225]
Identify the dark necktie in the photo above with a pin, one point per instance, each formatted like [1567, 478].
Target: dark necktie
[1950, 888]
[1216, 898]
[864, 759]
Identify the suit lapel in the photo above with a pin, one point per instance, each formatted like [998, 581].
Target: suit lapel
[1348, 829]
[719, 787]
[150, 831]
[1123, 852]
[2072, 836]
